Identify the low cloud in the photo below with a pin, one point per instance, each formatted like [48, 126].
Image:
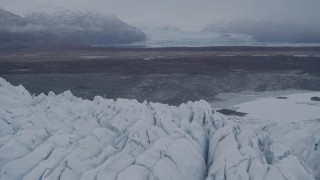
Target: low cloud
[188, 14]
[270, 31]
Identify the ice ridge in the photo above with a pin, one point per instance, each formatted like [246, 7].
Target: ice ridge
[65, 137]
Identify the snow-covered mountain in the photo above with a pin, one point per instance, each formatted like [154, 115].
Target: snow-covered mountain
[15, 31]
[67, 27]
[85, 27]
[8, 19]
[65, 137]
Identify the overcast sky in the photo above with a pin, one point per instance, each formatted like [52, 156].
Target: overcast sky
[187, 14]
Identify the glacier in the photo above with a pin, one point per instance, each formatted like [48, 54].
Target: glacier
[66, 137]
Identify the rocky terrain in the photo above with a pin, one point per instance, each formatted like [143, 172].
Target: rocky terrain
[166, 75]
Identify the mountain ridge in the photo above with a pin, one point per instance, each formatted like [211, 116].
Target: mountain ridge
[62, 26]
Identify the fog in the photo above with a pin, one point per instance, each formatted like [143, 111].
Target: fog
[270, 31]
[186, 14]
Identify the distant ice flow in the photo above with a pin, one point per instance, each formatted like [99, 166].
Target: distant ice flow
[65, 137]
[160, 37]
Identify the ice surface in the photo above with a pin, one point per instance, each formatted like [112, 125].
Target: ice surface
[65, 137]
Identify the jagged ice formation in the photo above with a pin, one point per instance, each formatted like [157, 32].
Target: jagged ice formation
[65, 137]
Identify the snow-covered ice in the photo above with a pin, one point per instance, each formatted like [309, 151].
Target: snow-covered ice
[65, 137]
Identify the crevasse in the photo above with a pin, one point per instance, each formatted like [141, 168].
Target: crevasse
[65, 137]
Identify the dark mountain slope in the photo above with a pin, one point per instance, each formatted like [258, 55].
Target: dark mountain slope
[59, 26]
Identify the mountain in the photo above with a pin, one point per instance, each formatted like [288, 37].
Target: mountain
[15, 31]
[9, 19]
[60, 26]
[84, 27]
[270, 31]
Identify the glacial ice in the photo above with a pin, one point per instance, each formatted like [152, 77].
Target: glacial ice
[65, 137]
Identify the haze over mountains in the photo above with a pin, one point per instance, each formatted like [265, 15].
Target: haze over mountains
[269, 31]
[51, 25]
[9, 19]
[60, 26]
